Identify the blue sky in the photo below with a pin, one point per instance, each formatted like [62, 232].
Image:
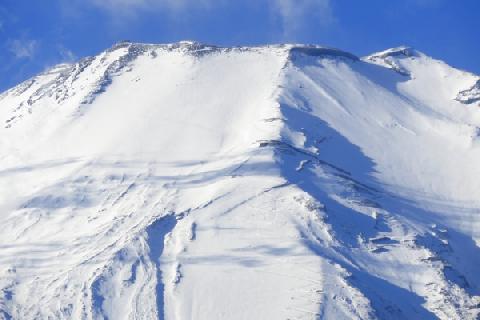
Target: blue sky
[35, 35]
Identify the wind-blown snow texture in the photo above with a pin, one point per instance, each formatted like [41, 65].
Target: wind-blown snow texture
[188, 181]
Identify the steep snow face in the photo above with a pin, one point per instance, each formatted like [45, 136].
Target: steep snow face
[395, 169]
[423, 144]
[286, 182]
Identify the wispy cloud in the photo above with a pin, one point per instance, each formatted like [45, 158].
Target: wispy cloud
[23, 48]
[291, 13]
[121, 7]
[66, 55]
[132, 8]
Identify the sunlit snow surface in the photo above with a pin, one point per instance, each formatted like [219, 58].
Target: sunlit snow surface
[188, 181]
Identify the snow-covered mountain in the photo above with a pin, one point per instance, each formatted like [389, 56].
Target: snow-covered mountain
[188, 181]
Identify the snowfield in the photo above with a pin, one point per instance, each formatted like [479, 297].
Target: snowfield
[188, 181]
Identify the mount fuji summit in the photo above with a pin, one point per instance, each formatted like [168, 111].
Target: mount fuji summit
[190, 181]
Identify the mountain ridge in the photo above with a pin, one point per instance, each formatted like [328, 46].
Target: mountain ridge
[273, 182]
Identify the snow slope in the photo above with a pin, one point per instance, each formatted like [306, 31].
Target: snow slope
[188, 181]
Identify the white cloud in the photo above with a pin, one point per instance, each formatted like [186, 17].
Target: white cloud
[23, 48]
[120, 6]
[132, 7]
[290, 12]
[66, 54]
